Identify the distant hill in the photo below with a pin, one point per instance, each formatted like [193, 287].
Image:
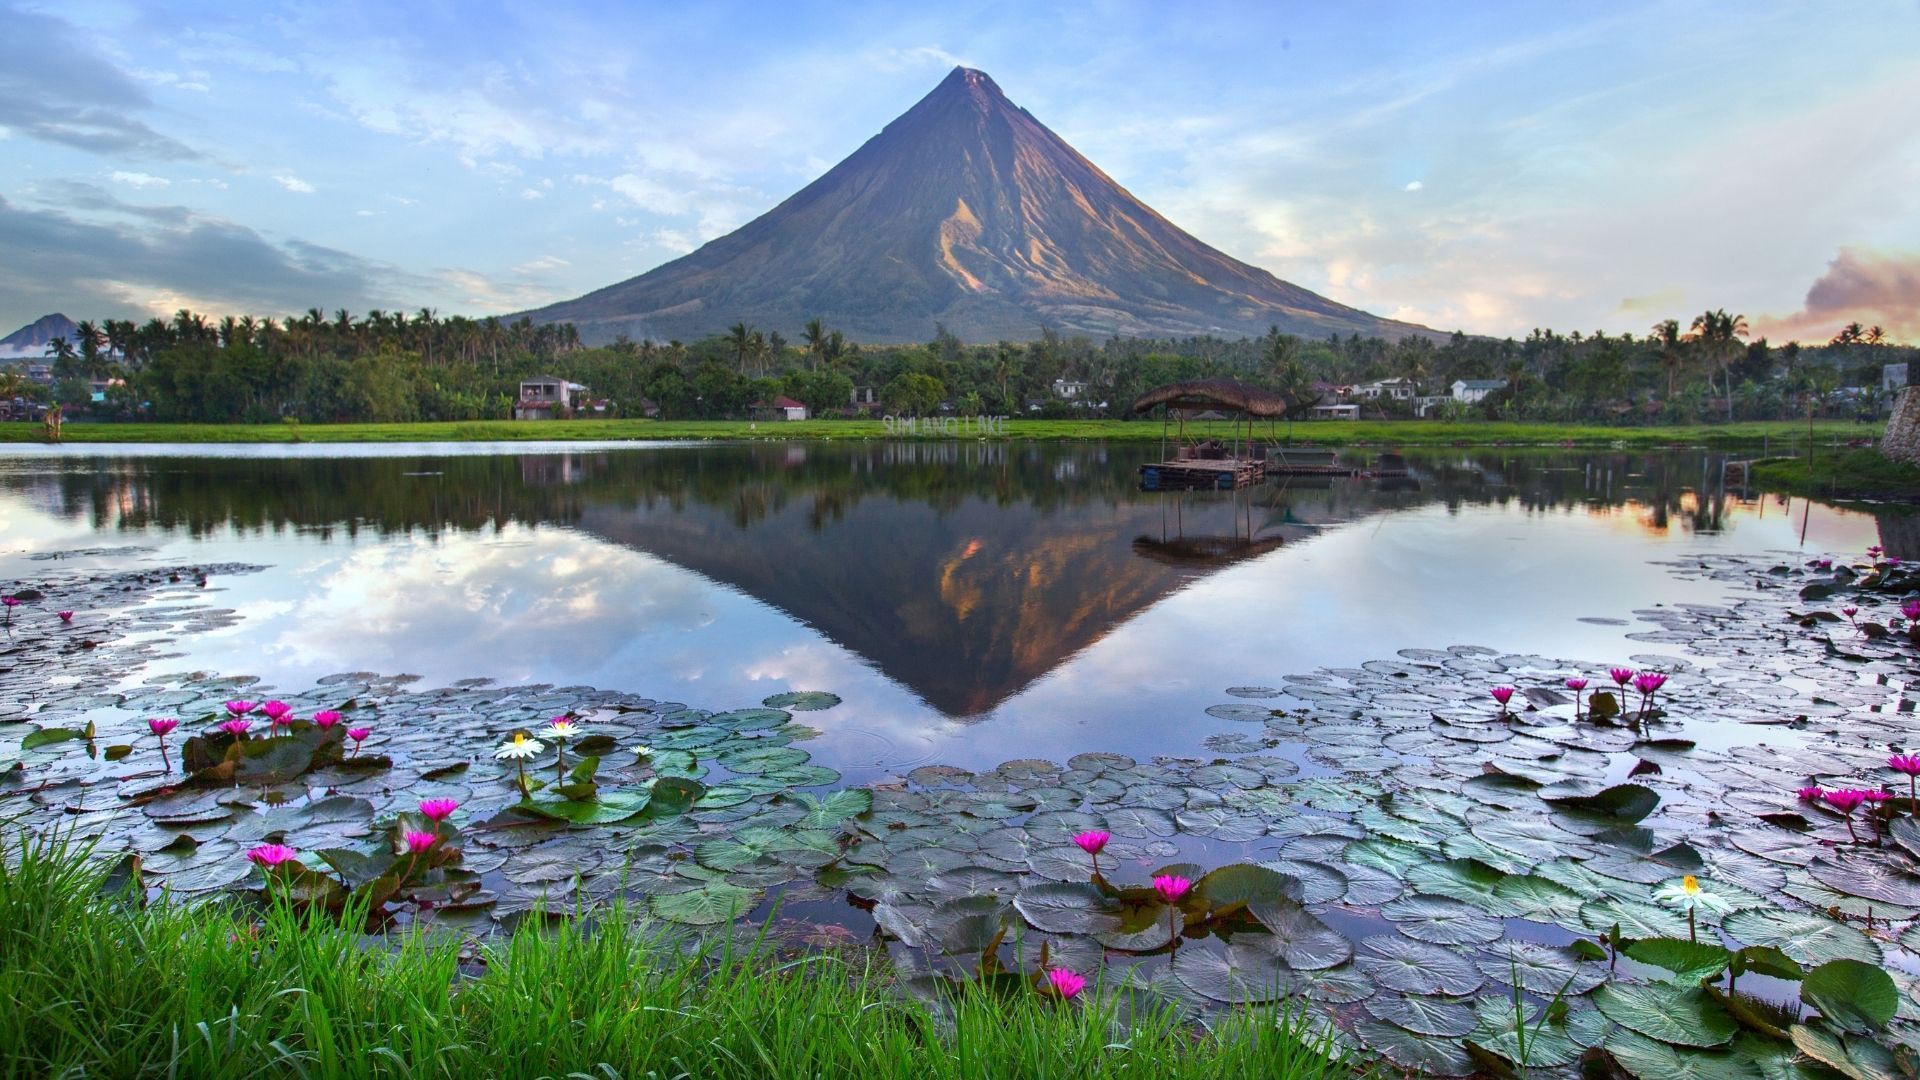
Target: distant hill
[32, 338]
[966, 212]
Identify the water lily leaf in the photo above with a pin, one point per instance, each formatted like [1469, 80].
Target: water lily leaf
[800, 776]
[1622, 804]
[1867, 876]
[1851, 995]
[40, 737]
[606, 808]
[1215, 976]
[1689, 961]
[1319, 883]
[1804, 936]
[1646, 1059]
[1422, 1054]
[1541, 969]
[1219, 823]
[707, 905]
[1138, 822]
[1853, 1056]
[803, 700]
[836, 807]
[750, 719]
[1670, 1014]
[1415, 967]
[1425, 1015]
[1242, 884]
[1635, 918]
[1061, 907]
[974, 881]
[1524, 896]
[1461, 879]
[1240, 711]
[1299, 939]
[1441, 921]
[763, 759]
[116, 752]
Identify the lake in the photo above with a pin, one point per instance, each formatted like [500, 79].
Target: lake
[963, 599]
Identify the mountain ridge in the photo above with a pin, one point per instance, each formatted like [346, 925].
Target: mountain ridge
[964, 212]
[33, 337]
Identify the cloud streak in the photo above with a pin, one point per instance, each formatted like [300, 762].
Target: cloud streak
[57, 88]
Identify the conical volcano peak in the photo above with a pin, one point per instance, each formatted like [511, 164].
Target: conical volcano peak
[964, 212]
[972, 82]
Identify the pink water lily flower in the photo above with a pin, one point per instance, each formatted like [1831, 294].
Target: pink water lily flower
[1911, 609]
[1811, 793]
[240, 707]
[1067, 984]
[1875, 551]
[236, 727]
[1909, 764]
[418, 842]
[268, 856]
[1876, 795]
[65, 616]
[1172, 887]
[1824, 564]
[325, 718]
[1093, 842]
[1576, 684]
[1502, 694]
[160, 726]
[276, 710]
[358, 735]
[1847, 800]
[1621, 675]
[437, 810]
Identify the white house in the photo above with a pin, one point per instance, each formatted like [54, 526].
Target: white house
[1399, 389]
[1068, 389]
[1892, 377]
[1337, 411]
[1473, 391]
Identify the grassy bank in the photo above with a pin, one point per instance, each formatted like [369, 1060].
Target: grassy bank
[1860, 474]
[1385, 433]
[98, 986]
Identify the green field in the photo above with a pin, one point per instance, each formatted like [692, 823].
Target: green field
[99, 984]
[1844, 474]
[1385, 433]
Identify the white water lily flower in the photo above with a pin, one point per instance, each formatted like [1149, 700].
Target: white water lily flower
[520, 748]
[1687, 895]
[643, 751]
[562, 728]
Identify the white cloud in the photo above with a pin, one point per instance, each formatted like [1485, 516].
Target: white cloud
[138, 179]
[294, 184]
[532, 193]
[1415, 185]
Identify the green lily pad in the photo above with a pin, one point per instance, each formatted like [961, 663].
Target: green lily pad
[707, 905]
[803, 700]
[1441, 920]
[1670, 1014]
[1060, 907]
[1415, 967]
[1689, 961]
[1647, 1059]
[1807, 937]
[1434, 1016]
[1851, 995]
[1298, 938]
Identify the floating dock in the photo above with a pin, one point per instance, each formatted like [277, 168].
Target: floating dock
[1204, 474]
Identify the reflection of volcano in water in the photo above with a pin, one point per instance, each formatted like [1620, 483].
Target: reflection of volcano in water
[964, 604]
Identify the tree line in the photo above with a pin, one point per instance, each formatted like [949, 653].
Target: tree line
[390, 366]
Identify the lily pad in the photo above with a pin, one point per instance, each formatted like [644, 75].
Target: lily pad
[1670, 1014]
[707, 905]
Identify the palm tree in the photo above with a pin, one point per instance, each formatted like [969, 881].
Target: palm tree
[1718, 334]
[1666, 338]
[1874, 336]
[737, 336]
[814, 334]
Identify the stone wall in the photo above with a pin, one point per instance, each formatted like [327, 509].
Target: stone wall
[1902, 440]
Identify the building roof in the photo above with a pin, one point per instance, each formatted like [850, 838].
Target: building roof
[1231, 395]
[1480, 384]
[785, 402]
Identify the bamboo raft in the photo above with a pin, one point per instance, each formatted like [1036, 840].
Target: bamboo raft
[1206, 474]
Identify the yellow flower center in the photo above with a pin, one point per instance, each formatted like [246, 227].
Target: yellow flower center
[1690, 884]
[520, 739]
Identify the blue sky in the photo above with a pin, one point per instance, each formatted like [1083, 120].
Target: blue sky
[1490, 168]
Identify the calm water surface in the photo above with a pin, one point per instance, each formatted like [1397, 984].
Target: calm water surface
[971, 602]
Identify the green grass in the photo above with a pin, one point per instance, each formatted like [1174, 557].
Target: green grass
[1840, 474]
[1324, 433]
[97, 986]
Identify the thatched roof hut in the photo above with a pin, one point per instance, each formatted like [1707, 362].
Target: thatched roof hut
[1228, 395]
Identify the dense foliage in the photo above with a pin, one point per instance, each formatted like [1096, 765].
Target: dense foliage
[391, 367]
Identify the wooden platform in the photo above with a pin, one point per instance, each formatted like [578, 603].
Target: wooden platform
[1207, 474]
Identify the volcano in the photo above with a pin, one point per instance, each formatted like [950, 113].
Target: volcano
[967, 213]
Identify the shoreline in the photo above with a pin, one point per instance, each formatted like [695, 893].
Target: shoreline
[1383, 434]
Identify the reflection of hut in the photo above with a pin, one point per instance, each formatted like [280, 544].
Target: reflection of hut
[1203, 551]
[1205, 461]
